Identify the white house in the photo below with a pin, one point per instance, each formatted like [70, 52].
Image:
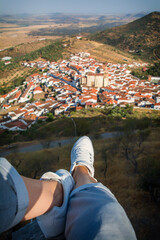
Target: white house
[37, 90]
[157, 99]
[157, 106]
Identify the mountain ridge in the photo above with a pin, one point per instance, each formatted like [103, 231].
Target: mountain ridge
[140, 36]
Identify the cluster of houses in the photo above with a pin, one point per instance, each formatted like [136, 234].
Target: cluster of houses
[71, 85]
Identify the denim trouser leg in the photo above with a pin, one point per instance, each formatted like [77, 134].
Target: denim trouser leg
[13, 196]
[94, 213]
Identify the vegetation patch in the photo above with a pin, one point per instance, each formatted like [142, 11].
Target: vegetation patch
[136, 191]
[153, 70]
[101, 121]
[141, 37]
[51, 52]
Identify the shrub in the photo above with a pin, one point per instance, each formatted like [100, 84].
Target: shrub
[149, 178]
[83, 127]
[50, 117]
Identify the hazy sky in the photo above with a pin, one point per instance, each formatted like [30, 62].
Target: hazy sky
[78, 6]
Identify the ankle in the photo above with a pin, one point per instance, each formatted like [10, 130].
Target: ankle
[81, 176]
[57, 195]
[80, 170]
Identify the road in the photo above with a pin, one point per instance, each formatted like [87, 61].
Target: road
[52, 144]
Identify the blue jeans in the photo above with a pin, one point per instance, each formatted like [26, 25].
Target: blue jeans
[13, 196]
[93, 212]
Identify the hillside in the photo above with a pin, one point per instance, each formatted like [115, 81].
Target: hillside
[140, 37]
[15, 73]
[19, 29]
[99, 51]
[137, 192]
[11, 74]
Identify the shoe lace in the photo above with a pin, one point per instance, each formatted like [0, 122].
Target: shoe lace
[84, 154]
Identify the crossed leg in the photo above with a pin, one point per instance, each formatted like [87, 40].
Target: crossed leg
[43, 196]
[23, 198]
[93, 212]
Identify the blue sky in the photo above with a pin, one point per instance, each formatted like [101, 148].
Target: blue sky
[78, 6]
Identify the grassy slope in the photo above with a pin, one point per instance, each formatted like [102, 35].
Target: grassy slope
[90, 121]
[141, 34]
[142, 210]
[99, 51]
[121, 179]
[25, 48]
[50, 50]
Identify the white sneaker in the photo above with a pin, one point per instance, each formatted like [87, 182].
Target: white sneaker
[83, 154]
[53, 222]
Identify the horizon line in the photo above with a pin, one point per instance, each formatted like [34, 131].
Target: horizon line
[89, 13]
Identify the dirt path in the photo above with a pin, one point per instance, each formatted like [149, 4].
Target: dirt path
[56, 143]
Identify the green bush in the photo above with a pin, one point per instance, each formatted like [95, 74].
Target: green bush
[50, 117]
[83, 126]
[149, 178]
[52, 52]
[119, 112]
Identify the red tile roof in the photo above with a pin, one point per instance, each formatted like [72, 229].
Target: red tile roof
[16, 123]
[17, 94]
[38, 88]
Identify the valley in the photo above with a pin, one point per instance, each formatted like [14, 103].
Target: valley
[140, 37]
[19, 29]
[61, 79]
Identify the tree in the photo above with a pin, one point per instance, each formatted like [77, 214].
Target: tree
[32, 100]
[107, 153]
[154, 70]
[149, 177]
[15, 161]
[131, 145]
[75, 127]
[36, 163]
[104, 154]
[50, 117]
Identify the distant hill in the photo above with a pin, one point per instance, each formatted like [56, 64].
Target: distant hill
[139, 37]
[62, 24]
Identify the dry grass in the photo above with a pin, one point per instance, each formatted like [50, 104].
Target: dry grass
[11, 35]
[89, 114]
[146, 110]
[24, 48]
[99, 51]
[141, 209]
[7, 77]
